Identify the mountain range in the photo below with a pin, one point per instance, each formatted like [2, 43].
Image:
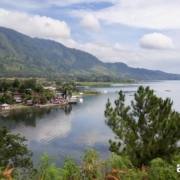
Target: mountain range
[23, 56]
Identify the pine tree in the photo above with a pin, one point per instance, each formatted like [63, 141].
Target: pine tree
[14, 151]
[147, 129]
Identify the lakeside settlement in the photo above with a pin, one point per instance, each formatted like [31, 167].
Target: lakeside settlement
[17, 94]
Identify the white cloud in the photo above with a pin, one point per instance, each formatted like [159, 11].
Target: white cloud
[90, 22]
[167, 60]
[35, 25]
[104, 51]
[154, 14]
[156, 41]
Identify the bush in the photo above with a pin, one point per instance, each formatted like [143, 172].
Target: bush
[91, 165]
[71, 170]
[122, 168]
[48, 170]
[161, 170]
[115, 167]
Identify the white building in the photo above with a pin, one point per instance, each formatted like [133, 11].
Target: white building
[18, 99]
[4, 106]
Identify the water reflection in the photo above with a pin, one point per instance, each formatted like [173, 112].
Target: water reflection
[28, 116]
[38, 124]
[68, 109]
[55, 127]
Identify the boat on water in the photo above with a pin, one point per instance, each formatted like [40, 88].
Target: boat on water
[81, 100]
[75, 100]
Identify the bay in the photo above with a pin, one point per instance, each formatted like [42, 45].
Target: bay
[70, 131]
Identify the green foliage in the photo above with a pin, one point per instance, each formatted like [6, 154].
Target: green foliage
[19, 85]
[118, 167]
[91, 165]
[95, 84]
[13, 150]
[89, 169]
[68, 89]
[48, 94]
[16, 84]
[70, 170]
[48, 170]
[116, 161]
[6, 98]
[160, 169]
[30, 89]
[146, 130]
[124, 168]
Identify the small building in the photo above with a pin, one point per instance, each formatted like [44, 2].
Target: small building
[73, 100]
[18, 98]
[29, 102]
[4, 106]
[59, 94]
[51, 88]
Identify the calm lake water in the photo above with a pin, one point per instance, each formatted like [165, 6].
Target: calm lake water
[69, 132]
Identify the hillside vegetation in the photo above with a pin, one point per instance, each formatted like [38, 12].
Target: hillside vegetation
[23, 56]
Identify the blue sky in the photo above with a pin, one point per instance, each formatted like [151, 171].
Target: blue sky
[140, 33]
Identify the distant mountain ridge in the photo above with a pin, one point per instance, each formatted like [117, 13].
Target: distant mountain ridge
[23, 56]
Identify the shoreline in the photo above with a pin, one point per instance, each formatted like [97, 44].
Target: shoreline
[22, 106]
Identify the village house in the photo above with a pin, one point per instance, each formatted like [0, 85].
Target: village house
[51, 88]
[4, 106]
[18, 98]
[59, 94]
[29, 102]
[59, 100]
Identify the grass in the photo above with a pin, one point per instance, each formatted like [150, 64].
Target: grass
[90, 92]
[95, 84]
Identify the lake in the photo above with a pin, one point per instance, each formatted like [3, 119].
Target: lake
[70, 131]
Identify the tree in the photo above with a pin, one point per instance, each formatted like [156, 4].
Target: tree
[6, 98]
[4, 85]
[48, 94]
[16, 84]
[29, 84]
[13, 150]
[68, 88]
[147, 129]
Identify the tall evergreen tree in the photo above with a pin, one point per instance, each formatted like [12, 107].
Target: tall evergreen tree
[147, 129]
[14, 151]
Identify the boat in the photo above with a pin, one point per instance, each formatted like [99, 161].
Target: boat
[75, 100]
[81, 100]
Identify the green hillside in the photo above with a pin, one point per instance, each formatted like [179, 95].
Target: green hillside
[23, 56]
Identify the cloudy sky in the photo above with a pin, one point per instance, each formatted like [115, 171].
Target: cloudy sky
[140, 33]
